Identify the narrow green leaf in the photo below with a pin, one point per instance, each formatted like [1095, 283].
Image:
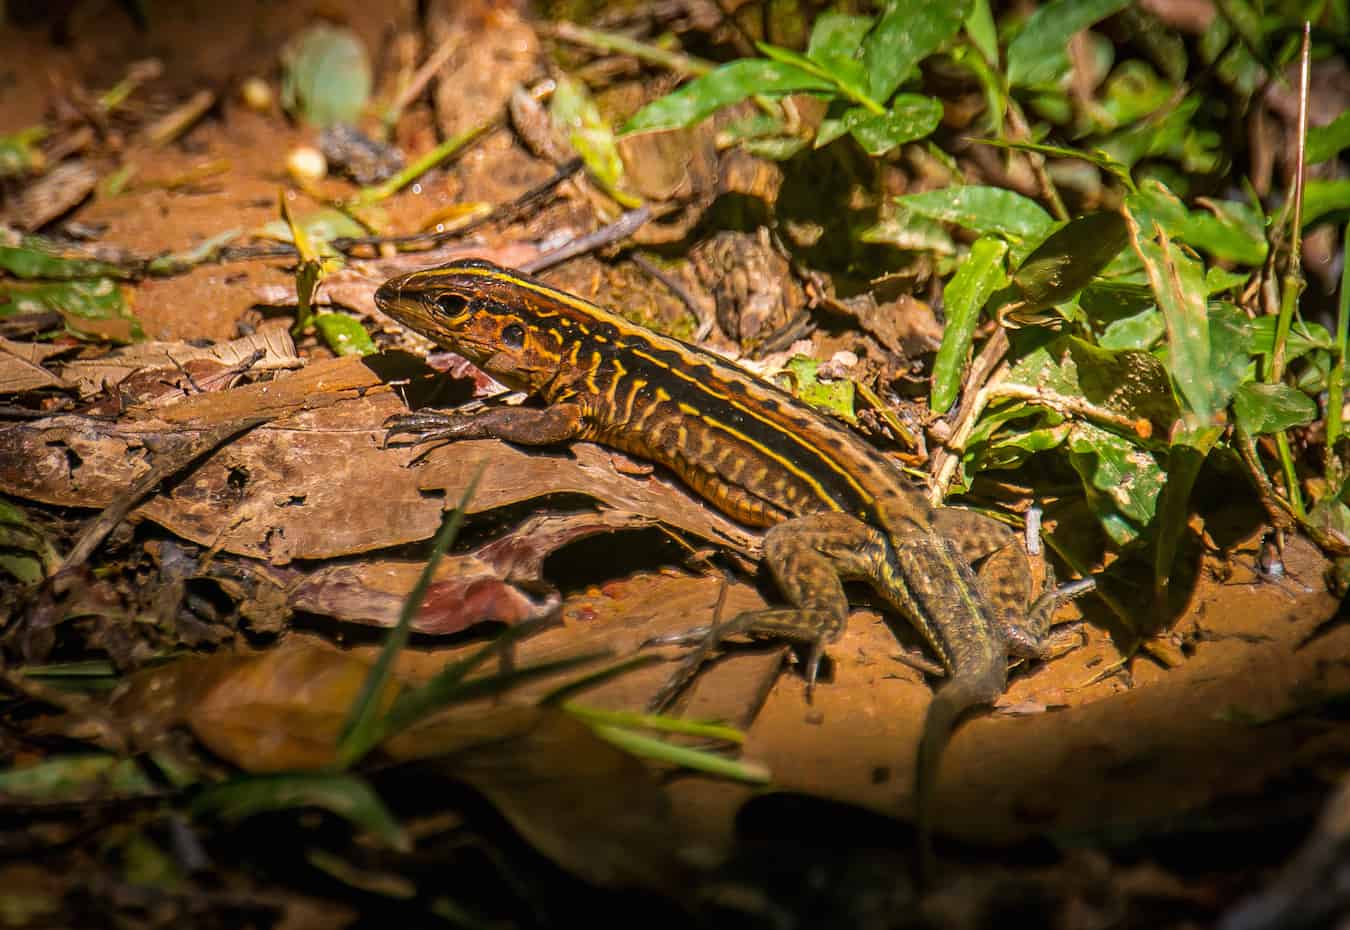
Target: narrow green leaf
[728, 84]
[1037, 55]
[1323, 197]
[347, 796]
[979, 276]
[1101, 159]
[910, 117]
[907, 33]
[1178, 284]
[1189, 450]
[982, 31]
[1270, 408]
[575, 113]
[1326, 142]
[70, 777]
[984, 210]
[363, 730]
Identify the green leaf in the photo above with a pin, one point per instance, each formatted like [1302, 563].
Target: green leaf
[344, 334]
[321, 226]
[1303, 338]
[1323, 197]
[1134, 332]
[1230, 351]
[728, 84]
[835, 397]
[909, 231]
[1270, 408]
[1189, 450]
[1233, 231]
[1324, 142]
[1101, 159]
[575, 114]
[836, 45]
[36, 257]
[984, 210]
[911, 116]
[1037, 55]
[82, 776]
[979, 276]
[907, 33]
[1069, 259]
[1123, 482]
[326, 76]
[982, 31]
[346, 796]
[1178, 284]
[91, 309]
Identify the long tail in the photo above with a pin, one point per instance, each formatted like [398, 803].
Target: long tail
[952, 700]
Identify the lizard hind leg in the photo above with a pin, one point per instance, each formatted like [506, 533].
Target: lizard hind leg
[809, 558]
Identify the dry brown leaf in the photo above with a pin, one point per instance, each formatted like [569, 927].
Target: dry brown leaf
[21, 367]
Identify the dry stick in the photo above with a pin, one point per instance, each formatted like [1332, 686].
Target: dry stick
[424, 74]
[616, 231]
[165, 466]
[973, 401]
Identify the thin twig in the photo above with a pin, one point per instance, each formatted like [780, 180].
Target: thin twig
[616, 231]
[706, 321]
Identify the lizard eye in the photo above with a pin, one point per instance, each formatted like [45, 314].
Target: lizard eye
[513, 336]
[452, 304]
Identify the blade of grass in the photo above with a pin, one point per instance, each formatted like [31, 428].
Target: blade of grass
[362, 729]
[369, 195]
[650, 747]
[1335, 468]
[631, 720]
[1292, 283]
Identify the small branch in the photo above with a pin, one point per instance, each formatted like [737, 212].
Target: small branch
[616, 231]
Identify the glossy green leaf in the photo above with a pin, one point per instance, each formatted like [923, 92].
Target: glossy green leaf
[326, 76]
[907, 33]
[1133, 91]
[346, 796]
[1178, 284]
[1069, 259]
[836, 45]
[1321, 198]
[1093, 157]
[1270, 408]
[728, 84]
[979, 276]
[984, 210]
[910, 117]
[344, 334]
[907, 230]
[1037, 55]
[1326, 142]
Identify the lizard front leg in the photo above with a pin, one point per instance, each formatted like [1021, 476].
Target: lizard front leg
[527, 426]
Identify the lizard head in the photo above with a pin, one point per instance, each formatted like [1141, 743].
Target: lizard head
[479, 311]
